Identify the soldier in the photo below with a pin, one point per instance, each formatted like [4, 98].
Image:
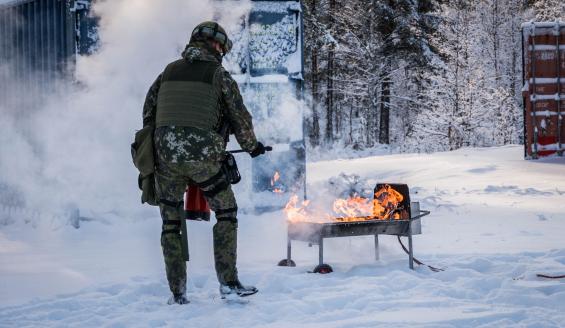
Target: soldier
[190, 104]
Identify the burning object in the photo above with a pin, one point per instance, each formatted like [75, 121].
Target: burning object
[390, 212]
[276, 186]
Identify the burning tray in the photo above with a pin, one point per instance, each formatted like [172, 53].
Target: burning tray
[406, 223]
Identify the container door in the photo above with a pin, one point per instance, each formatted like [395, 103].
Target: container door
[270, 57]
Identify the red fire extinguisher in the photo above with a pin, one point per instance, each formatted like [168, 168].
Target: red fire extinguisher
[195, 205]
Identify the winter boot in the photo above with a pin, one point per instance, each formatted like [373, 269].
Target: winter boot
[178, 299]
[236, 288]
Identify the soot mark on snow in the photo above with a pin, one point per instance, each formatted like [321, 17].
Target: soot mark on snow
[481, 170]
[542, 217]
[530, 233]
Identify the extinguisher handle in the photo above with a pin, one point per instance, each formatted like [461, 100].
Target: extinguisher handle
[237, 151]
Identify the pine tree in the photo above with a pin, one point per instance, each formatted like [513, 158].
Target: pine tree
[405, 28]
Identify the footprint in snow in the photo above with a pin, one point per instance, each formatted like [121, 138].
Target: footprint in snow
[542, 217]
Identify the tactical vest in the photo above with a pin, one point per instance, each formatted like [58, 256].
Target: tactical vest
[188, 96]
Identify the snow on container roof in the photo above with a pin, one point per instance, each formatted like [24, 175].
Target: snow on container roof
[281, 7]
[542, 28]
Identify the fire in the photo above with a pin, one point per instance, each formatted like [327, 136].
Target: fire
[274, 179]
[296, 213]
[385, 205]
[353, 206]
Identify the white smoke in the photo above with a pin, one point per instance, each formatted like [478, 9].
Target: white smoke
[75, 150]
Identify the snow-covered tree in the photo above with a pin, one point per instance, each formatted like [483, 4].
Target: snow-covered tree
[416, 74]
[549, 10]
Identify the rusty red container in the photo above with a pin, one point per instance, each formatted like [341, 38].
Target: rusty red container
[543, 53]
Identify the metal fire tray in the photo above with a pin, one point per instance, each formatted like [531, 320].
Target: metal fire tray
[315, 233]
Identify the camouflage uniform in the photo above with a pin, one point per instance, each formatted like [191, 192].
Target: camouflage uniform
[186, 155]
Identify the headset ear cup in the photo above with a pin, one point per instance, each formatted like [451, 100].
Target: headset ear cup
[228, 45]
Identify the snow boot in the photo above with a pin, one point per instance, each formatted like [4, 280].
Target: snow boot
[178, 299]
[236, 288]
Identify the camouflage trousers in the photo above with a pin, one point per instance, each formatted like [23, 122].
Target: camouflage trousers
[171, 181]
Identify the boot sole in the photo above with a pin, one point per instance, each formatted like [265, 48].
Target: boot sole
[227, 296]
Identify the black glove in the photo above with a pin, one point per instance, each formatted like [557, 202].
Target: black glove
[259, 150]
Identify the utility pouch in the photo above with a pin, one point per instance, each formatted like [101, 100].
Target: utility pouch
[229, 167]
[144, 160]
[147, 186]
[142, 151]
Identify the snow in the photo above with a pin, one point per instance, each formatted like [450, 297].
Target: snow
[554, 146]
[545, 80]
[533, 25]
[270, 78]
[538, 97]
[271, 45]
[268, 44]
[545, 47]
[497, 220]
[282, 8]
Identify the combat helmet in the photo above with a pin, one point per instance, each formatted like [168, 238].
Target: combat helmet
[212, 30]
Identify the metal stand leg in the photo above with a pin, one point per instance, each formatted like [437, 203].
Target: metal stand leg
[321, 267]
[321, 251]
[410, 251]
[288, 260]
[377, 256]
[288, 250]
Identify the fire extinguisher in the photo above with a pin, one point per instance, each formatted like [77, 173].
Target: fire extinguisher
[195, 205]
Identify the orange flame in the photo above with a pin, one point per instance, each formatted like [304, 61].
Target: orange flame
[385, 203]
[296, 213]
[353, 207]
[384, 206]
[274, 179]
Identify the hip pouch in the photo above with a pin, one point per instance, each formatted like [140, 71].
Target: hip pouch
[227, 174]
[229, 167]
[144, 160]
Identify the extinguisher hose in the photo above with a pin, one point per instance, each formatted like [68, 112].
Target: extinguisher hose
[434, 269]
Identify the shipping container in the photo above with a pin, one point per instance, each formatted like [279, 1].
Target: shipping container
[39, 40]
[543, 53]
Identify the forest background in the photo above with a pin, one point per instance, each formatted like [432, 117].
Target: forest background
[417, 76]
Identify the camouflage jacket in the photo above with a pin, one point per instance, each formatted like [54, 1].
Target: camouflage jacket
[185, 144]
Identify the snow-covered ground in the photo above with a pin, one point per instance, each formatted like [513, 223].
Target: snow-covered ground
[496, 222]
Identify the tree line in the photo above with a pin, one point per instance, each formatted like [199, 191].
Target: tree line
[418, 75]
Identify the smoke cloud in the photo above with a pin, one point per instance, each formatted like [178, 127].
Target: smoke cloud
[74, 152]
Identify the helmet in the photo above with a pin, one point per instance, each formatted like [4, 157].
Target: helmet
[212, 30]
